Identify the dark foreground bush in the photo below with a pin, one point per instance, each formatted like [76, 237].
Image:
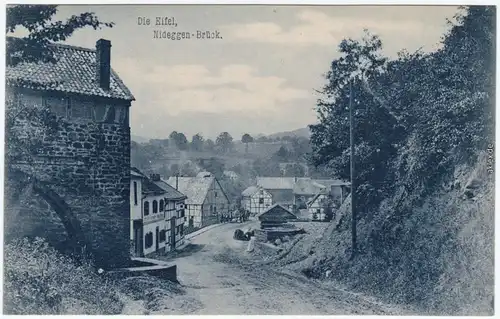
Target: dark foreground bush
[39, 280]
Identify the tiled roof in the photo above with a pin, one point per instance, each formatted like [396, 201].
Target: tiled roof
[300, 186]
[332, 182]
[307, 186]
[134, 172]
[74, 72]
[171, 192]
[279, 209]
[276, 182]
[195, 188]
[249, 191]
[150, 188]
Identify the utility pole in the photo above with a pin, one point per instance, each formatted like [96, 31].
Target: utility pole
[353, 186]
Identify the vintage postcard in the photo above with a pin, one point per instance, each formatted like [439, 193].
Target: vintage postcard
[249, 160]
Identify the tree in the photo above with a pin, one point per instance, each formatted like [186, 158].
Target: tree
[179, 140]
[416, 117]
[376, 129]
[262, 139]
[224, 142]
[197, 142]
[282, 154]
[266, 168]
[28, 127]
[295, 170]
[213, 165]
[37, 19]
[246, 138]
[209, 145]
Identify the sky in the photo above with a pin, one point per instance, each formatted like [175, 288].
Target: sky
[258, 77]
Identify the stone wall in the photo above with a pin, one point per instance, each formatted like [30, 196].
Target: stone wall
[87, 162]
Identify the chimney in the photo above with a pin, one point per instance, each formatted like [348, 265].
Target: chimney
[177, 181]
[155, 177]
[103, 63]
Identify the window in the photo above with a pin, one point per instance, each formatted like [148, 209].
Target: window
[261, 200]
[135, 193]
[155, 206]
[215, 194]
[146, 208]
[109, 115]
[163, 235]
[148, 240]
[177, 230]
[182, 213]
[81, 109]
[161, 205]
[181, 227]
[318, 211]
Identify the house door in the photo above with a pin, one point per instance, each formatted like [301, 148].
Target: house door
[138, 239]
[157, 238]
[172, 233]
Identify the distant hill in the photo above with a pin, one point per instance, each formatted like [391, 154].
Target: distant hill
[139, 139]
[301, 132]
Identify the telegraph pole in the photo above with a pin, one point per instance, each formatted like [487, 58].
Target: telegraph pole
[353, 187]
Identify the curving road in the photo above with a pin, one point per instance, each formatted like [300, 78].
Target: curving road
[217, 272]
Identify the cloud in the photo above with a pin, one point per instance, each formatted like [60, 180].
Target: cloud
[193, 87]
[318, 28]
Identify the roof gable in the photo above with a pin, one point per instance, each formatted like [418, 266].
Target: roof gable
[195, 188]
[276, 182]
[170, 192]
[249, 191]
[150, 188]
[74, 72]
[276, 213]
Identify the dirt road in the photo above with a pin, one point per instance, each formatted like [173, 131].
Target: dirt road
[217, 272]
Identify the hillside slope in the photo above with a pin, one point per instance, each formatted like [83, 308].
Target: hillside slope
[439, 257]
[301, 132]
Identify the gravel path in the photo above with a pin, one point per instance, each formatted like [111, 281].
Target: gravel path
[219, 274]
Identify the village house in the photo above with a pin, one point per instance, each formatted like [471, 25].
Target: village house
[275, 216]
[206, 200]
[280, 188]
[84, 164]
[175, 213]
[256, 200]
[295, 193]
[231, 175]
[304, 189]
[333, 196]
[157, 215]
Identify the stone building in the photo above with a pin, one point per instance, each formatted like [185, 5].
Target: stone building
[84, 164]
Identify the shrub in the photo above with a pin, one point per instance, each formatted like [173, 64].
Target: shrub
[40, 280]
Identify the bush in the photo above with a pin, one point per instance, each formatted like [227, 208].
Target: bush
[39, 280]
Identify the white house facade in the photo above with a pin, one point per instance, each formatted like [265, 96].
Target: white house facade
[315, 208]
[256, 200]
[156, 216]
[175, 216]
